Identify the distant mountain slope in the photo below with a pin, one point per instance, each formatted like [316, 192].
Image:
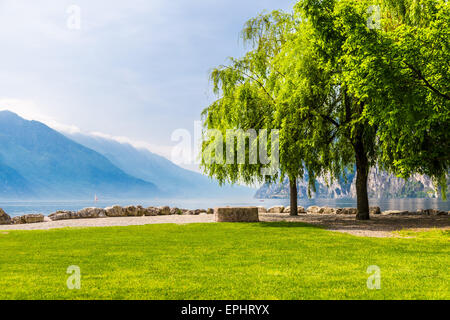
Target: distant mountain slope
[38, 161]
[12, 184]
[380, 185]
[170, 178]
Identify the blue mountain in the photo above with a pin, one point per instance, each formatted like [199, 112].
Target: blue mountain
[173, 180]
[39, 162]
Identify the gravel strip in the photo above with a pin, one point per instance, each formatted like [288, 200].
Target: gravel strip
[378, 226]
[111, 222]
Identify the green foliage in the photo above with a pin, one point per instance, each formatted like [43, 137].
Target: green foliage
[221, 261]
[342, 92]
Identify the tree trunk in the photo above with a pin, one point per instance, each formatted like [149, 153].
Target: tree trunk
[293, 196]
[362, 172]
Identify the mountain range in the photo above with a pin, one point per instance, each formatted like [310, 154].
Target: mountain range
[171, 179]
[37, 162]
[381, 185]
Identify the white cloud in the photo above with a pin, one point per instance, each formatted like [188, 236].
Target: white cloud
[28, 109]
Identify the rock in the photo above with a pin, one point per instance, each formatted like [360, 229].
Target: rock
[17, 220]
[276, 209]
[349, 211]
[164, 211]
[132, 211]
[141, 211]
[151, 211]
[176, 211]
[236, 214]
[196, 212]
[89, 213]
[187, 211]
[115, 211]
[395, 213]
[375, 210]
[4, 218]
[62, 215]
[210, 211]
[300, 210]
[262, 210]
[33, 218]
[328, 210]
[434, 212]
[28, 218]
[314, 210]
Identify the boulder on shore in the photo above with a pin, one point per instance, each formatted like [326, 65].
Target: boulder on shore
[299, 210]
[28, 218]
[151, 211]
[176, 211]
[4, 218]
[90, 213]
[328, 210]
[276, 209]
[349, 211]
[196, 212]
[62, 215]
[432, 212]
[395, 213]
[164, 211]
[115, 211]
[132, 211]
[262, 209]
[314, 210]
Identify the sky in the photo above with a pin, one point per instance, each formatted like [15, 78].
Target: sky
[134, 70]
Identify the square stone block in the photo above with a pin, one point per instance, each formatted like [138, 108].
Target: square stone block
[236, 214]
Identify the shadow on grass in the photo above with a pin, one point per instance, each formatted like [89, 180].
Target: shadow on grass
[284, 224]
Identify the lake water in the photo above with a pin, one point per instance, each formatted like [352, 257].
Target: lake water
[15, 208]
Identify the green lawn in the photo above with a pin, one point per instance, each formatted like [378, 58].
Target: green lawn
[221, 261]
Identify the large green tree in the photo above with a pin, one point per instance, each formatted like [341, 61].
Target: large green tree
[247, 101]
[343, 90]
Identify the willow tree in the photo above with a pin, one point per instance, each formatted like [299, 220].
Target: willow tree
[380, 97]
[402, 69]
[341, 92]
[247, 102]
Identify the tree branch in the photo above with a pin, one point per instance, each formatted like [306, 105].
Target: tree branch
[427, 84]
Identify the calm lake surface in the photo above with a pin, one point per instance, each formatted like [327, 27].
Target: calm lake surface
[15, 208]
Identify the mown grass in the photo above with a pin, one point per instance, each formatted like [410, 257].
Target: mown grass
[221, 261]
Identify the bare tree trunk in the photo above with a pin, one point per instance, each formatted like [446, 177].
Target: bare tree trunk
[362, 173]
[293, 196]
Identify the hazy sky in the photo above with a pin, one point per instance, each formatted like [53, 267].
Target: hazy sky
[135, 68]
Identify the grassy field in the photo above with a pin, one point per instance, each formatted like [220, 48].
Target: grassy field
[221, 261]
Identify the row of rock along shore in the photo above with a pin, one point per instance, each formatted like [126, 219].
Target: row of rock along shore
[352, 211]
[90, 213]
[139, 211]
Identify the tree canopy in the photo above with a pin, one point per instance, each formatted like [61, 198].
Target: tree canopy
[345, 83]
